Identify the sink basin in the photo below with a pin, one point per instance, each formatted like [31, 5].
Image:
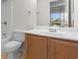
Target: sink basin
[54, 33]
[60, 33]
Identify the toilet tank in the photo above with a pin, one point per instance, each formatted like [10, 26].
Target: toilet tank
[19, 36]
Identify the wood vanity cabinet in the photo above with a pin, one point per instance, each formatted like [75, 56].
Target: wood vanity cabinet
[65, 50]
[36, 47]
[39, 47]
[59, 49]
[51, 49]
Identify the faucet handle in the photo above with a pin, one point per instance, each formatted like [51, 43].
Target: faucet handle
[5, 22]
[4, 35]
[52, 30]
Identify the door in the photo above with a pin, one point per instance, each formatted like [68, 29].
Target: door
[36, 47]
[65, 50]
[51, 49]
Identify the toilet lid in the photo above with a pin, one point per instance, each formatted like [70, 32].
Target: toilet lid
[12, 44]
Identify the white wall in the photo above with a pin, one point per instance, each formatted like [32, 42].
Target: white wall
[43, 15]
[54, 0]
[21, 18]
[76, 14]
[6, 16]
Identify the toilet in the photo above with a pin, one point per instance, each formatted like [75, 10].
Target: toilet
[13, 46]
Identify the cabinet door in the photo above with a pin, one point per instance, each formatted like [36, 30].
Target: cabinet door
[27, 47]
[51, 51]
[65, 50]
[36, 47]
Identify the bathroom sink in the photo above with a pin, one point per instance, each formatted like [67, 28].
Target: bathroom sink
[60, 33]
[54, 33]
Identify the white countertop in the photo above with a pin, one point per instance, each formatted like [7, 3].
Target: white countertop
[58, 34]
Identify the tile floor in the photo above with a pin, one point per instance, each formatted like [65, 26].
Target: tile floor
[5, 56]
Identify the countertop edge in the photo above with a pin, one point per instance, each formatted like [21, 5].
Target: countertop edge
[59, 38]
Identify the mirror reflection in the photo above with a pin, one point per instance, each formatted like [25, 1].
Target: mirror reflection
[60, 13]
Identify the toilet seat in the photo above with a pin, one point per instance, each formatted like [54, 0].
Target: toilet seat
[12, 45]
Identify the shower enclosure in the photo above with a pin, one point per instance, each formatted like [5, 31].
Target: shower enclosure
[6, 22]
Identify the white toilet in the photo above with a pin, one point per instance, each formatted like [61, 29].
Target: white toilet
[12, 46]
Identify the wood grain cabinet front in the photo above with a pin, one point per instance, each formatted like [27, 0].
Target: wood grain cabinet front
[51, 49]
[65, 50]
[36, 47]
[59, 49]
[39, 47]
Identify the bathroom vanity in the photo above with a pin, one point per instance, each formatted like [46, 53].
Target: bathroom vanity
[41, 46]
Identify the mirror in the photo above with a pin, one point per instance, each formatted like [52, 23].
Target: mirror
[61, 13]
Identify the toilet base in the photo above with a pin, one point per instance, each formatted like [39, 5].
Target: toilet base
[12, 55]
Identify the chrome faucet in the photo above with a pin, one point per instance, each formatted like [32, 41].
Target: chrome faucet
[52, 30]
